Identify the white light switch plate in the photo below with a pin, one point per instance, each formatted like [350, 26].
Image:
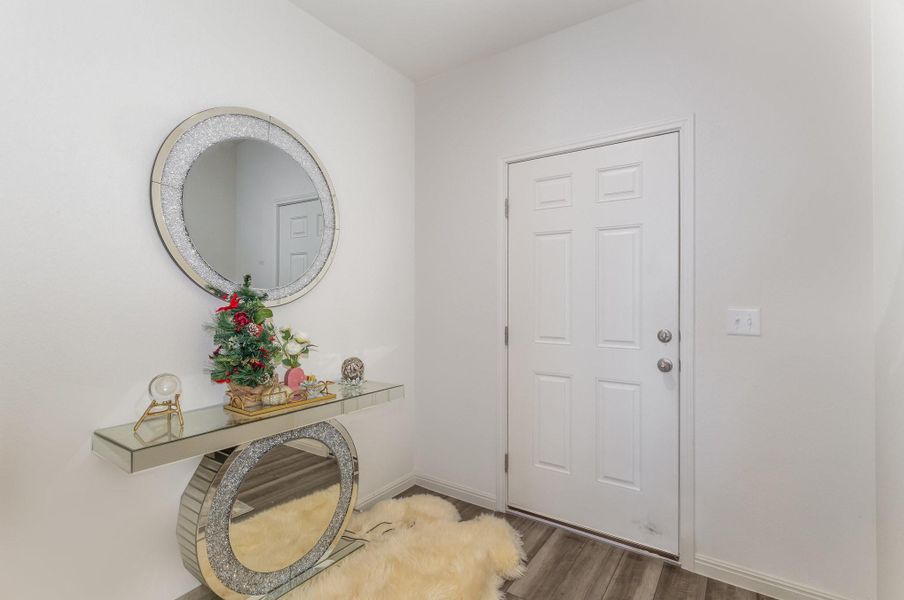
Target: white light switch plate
[743, 321]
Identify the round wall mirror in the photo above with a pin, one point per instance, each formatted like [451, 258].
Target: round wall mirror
[235, 192]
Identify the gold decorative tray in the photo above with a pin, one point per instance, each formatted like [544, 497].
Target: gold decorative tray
[259, 408]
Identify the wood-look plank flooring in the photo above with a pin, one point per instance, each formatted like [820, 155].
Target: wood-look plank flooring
[565, 566]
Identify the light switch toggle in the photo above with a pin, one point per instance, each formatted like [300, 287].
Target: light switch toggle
[743, 321]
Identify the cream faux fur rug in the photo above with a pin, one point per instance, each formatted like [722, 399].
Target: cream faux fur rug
[260, 541]
[419, 549]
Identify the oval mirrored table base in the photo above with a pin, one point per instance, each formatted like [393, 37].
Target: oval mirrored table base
[260, 519]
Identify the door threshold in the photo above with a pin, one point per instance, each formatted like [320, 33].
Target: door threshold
[612, 540]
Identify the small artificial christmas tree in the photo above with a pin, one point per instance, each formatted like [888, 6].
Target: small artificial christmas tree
[247, 350]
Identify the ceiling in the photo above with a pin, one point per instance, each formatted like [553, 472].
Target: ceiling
[422, 38]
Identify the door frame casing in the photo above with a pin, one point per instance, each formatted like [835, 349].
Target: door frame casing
[684, 127]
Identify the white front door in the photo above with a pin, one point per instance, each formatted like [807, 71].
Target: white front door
[593, 279]
[300, 229]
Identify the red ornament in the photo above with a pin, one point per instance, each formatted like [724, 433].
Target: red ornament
[240, 319]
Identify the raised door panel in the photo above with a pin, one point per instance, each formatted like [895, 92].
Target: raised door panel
[552, 287]
[618, 294]
[618, 439]
[552, 422]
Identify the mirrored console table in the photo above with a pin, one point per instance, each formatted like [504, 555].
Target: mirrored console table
[270, 501]
[161, 441]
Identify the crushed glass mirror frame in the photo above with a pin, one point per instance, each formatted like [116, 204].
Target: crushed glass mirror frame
[242, 536]
[235, 191]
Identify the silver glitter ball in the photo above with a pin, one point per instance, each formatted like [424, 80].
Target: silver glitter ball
[353, 369]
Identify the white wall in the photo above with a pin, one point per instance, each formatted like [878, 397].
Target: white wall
[785, 424]
[93, 306]
[888, 158]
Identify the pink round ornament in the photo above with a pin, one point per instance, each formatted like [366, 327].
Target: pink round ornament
[294, 377]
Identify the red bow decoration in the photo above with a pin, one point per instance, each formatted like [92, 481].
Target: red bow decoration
[233, 304]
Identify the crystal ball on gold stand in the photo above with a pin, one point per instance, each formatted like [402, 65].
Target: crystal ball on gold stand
[165, 391]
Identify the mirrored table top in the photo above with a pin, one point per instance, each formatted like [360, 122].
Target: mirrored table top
[162, 441]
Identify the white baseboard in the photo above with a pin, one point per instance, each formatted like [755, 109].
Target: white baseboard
[394, 488]
[390, 490]
[758, 582]
[454, 490]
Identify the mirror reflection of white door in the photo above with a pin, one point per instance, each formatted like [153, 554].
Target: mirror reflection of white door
[593, 278]
[300, 230]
